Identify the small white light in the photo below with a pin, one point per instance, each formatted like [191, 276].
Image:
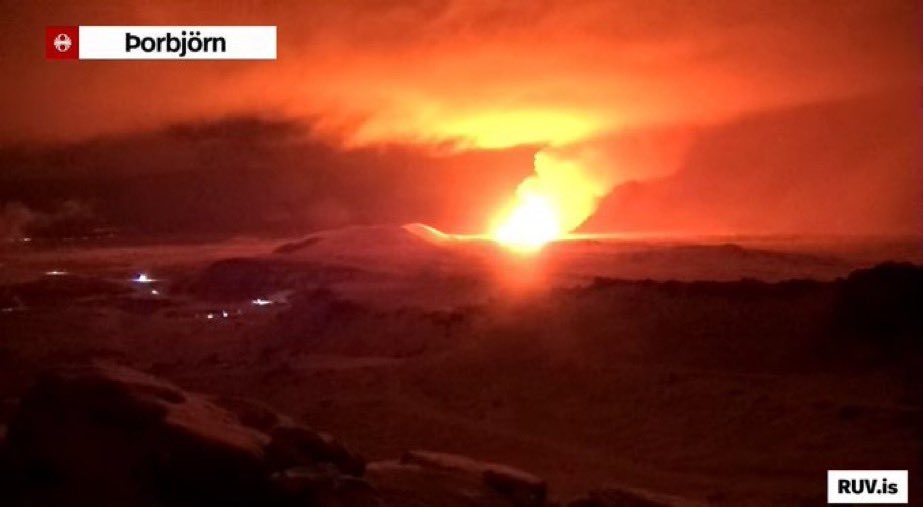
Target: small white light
[55, 272]
[26, 240]
[261, 302]
[143, 278]
[155, 292]
[224, 314]
[209, 316]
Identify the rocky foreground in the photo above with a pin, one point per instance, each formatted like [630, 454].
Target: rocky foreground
[106, 435]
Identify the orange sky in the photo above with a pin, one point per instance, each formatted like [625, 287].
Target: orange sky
[491, 74]
[610, 91]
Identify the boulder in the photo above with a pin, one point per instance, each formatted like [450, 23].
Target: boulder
[108, 435]
[431, 479]
[323, 485]
[118, 435]
[252, 414]
[296, 445]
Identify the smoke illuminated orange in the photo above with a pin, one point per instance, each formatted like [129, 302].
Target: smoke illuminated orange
[556, 200]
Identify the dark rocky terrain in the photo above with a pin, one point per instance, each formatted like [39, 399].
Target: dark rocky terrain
[108, 435]
[567, 389]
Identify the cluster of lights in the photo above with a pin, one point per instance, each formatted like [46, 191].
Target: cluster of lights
[223, 314]
[143, 278]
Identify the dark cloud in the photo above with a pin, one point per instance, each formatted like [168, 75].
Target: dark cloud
[255, 176]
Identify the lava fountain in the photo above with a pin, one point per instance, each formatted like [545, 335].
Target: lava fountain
[548, 205]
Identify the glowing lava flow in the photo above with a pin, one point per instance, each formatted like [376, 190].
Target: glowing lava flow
[533, 223]
[549, 204]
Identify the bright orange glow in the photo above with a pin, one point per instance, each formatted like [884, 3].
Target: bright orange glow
[483, 127]
[548, 205]
[532, 223]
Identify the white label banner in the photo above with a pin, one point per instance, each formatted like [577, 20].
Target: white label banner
[177, 43]
[867, 486]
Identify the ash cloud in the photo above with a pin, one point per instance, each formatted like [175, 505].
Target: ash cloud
[255, 175]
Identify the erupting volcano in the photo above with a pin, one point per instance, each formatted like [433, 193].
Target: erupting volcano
[461, 253]
[533, 223]
[554, 201]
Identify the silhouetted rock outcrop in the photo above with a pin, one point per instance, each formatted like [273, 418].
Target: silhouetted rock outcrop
[424, 478]
[292, 446]
[114, 436]
[884, 303]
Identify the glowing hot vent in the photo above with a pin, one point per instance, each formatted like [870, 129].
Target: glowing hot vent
[553, 202]
[532, 224]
